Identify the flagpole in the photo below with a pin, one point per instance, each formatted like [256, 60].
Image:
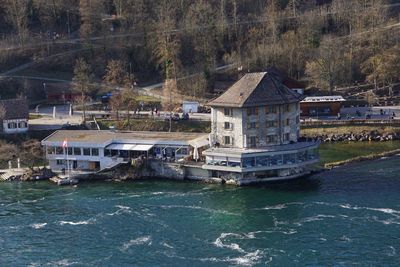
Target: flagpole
[68, 162]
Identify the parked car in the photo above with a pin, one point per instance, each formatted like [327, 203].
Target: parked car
[185, 116]
[175, 117]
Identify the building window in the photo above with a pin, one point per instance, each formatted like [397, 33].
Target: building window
[287, 122]
[86, 151]
[59, 150]
[107, 152]
[183, 151]
[228, 112]
[77, 151]
[252, 111]
[227, 140]
[287, 107]
[286, 137]
[12, 125]
[270, 109]
[50, 150]
[22, 124]
[253, 141]
[95, 151]
[60, 162]
[228, 126]
[252, 125]
[273, 138]
[272, 123]
[69, 150]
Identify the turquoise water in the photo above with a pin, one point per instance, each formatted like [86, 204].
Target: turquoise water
[343, 217]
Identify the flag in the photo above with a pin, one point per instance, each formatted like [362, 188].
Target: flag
[65, 143]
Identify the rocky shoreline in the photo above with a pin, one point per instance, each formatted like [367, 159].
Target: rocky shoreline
[28, 175]
[376, 156]
[359, 137]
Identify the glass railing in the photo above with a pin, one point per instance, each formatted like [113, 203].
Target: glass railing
[268, 161]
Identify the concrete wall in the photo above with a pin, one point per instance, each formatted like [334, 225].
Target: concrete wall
[163, 169]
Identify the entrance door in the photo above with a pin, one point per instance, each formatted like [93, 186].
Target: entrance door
[74, 164]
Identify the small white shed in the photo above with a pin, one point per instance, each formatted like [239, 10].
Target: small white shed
[190, 106]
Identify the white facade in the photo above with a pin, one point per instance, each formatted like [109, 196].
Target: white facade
[15, 126]
[256, 127]
[95, 156]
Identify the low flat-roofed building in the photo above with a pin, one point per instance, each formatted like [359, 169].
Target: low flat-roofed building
[319, 106]
[97, 150]
[14, 116]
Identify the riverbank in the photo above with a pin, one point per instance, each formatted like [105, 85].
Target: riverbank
[363, 158]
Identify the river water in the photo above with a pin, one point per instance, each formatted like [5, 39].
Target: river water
[343, 217]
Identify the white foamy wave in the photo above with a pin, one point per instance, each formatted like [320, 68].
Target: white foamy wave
[276, 207]
[391, 252]
[249, 259]
[121, 210]
[319, 217]
[289, 232]
[345, 239]
[385, 222]
[198, 208]
[383, 210]
[143, 240]
[90, 221]
[166, 245]
[64, 262]
[38, 225]
[219, 242]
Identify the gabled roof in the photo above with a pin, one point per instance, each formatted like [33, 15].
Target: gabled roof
[257, 89]
[15, 109]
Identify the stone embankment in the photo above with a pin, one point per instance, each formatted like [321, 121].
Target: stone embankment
[27, 175]
[367, 136]
[363, 158]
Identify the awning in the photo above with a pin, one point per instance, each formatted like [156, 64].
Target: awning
[142, 147]
[200, 142]
[121, 146]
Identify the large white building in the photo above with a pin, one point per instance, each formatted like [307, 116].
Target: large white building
[255, 132]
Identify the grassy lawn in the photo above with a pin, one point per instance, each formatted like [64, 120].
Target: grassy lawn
[34, 116]
[147, 98]
[333, 152]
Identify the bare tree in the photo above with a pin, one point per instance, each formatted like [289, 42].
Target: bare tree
[82, 82]
[17, 15]
[325, 69]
